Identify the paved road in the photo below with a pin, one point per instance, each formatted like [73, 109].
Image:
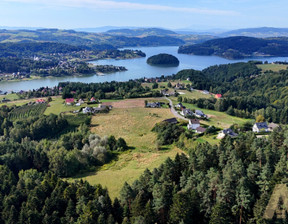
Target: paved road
[174, 112]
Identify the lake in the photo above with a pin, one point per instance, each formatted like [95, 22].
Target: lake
[137, 68]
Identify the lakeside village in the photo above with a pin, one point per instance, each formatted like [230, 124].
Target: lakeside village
[194, 117]
[63, 64]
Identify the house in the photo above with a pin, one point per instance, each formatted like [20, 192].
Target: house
[154, 105]
[227, 132]
[186, 112]
[193, 124]
[81, 101]
[39, 101]
[200, 114]
[92, 100]
[87, 110]
[171, 120]
[205, 92]
[272, 126]
[200, 130]
[218, 96]
[180, 86]
[260, 127]
[69, 101]
[179, 106]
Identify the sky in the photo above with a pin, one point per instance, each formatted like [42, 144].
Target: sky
[176, 14]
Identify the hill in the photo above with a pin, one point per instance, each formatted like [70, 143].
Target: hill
[84, 38]
[163, 59]
[260, 32]
[239, 47]
[141, 32]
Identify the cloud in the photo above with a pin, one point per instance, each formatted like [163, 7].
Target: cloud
[103, 4]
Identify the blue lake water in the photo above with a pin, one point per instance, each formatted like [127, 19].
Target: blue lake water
[137, 68]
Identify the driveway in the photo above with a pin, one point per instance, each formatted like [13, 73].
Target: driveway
[174, 112]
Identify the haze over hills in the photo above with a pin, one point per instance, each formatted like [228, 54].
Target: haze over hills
[141, 32]
[239, 47]
[257, 32]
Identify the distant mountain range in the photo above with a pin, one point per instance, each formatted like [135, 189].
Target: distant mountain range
[239, 47]
[258, 32]
[141, 32]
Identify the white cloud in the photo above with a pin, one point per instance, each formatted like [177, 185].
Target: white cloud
[103, 4]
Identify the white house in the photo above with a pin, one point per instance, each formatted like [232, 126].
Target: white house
[260, 127]
[87, 110]
[193, 124]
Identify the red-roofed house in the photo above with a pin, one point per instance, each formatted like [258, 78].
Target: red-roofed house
[40, 101]
[93, 100]
[218, 96]
[69, 101]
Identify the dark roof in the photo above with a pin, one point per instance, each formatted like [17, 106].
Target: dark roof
[171, 120]
[261, 125]
[229, 132]
[200, 129]
[199, 112]
[195, 121]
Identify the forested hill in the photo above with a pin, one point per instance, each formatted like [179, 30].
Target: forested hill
[83, 38]
[239, 47]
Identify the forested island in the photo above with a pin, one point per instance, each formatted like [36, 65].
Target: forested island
[239, 47]
[163, 60]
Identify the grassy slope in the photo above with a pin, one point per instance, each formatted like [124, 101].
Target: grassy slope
[134, 125]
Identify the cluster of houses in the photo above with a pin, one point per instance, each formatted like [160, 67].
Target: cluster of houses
[72, 101]
[189, 113]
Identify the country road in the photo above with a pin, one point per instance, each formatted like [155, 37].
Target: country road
[174, 112]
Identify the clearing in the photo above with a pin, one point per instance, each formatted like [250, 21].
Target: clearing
[134, 124]
[272, 67]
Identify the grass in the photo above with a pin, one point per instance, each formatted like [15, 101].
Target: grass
[195, 94]
[57, 106]
[272, 67]
[134, 125]
[129, 167]
[11, 96]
